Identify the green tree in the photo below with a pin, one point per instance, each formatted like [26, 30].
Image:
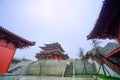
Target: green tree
[81, 56]
[41, 65]
[96, 44]
[81, 53]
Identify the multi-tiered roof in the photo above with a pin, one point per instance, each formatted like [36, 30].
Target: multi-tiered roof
[52, 46]
[52, 50]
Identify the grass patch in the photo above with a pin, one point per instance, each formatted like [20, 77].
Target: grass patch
[97, 75]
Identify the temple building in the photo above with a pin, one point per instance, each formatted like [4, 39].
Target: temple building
[52, 52]
[108, 22]
[9, 42]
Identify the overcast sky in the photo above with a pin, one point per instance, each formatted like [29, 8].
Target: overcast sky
[67, 22]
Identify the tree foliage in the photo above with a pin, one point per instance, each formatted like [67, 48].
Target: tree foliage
[81, 53]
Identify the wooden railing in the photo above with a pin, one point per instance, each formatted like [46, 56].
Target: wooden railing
[113, 66]
[97, 60]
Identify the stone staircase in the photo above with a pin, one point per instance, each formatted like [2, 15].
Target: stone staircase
[69, 70]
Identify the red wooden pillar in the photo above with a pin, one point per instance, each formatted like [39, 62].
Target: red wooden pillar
[59, 57]
[56, 57]
[7, 51]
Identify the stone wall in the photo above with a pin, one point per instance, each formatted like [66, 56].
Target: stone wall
[79, 67]
[49, 68]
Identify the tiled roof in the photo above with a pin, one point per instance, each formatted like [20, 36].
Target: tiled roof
[53, 45]
[93, 50]
[17, 40]
[106, 24]
[107, 49]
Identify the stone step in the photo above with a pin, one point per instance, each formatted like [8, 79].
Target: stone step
[69, 71]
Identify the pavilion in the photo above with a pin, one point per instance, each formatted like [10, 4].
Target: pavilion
[52, 52]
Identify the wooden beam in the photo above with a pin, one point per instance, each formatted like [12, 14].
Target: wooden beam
[112, 53]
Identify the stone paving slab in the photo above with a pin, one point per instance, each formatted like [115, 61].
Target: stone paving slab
[19, 77]
[52, 78]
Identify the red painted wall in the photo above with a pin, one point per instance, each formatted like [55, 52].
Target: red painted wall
[7, 51]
